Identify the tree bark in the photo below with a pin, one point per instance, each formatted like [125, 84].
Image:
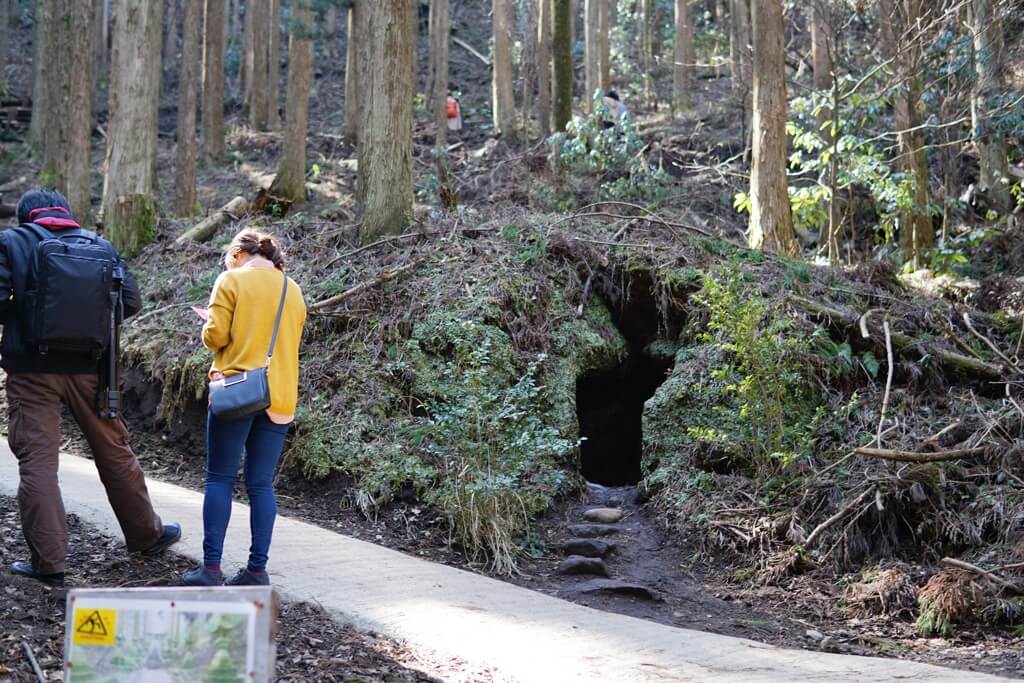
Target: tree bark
[274, 66]
[188, 86]
[903, 43]
[528, 68]
[213, 81]
[684, 57]
[42, 37]
[352, 46]
[439, 40]
[502, 96]
[771, 219]
[331, 32]
[822, 47]
[170, 54]
[743, 61]
[561, 52]
[5, 23]
[385, 133]
[70, 100]
[604, 80]
[248, 55]
[544, 67]
[259, 85]
[591, 52]
[988, 67]
[648, 27]
[129, 209]
[290, 181]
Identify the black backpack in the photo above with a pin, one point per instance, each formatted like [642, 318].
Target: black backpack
[71, 293]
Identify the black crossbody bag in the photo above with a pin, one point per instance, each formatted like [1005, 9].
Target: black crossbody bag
[248, 392]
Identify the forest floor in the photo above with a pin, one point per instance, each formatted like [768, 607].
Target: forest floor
[311, 646]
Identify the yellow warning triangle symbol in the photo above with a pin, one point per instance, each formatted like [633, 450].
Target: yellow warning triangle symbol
[93, 625]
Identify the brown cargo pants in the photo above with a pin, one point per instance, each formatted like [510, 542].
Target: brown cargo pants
[34, 401]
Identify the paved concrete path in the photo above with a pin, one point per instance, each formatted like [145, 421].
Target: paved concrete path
[520, 634]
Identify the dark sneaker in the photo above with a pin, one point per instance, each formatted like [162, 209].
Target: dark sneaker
[25, 569]
[170, 536]
[246, 577]
[201, 576]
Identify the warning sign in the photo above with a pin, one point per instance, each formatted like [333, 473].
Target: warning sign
[95, 627]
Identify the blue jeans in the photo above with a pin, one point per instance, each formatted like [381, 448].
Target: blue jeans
[263, 441]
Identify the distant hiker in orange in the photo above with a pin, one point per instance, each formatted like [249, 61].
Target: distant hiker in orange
[454, 113]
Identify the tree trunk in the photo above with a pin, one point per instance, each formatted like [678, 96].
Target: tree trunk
[290, 181]
[528, 69]
[385, 133]
[439, 40]
[248, 56]
[988, 66]
[351, 129]
[213, 81]
[648, 27]
[259, 84]
[544, 67]
[574, 20]
[902, 42]
[502, 97]
[70, 99]
[5, 23]
[561, 54]
[591, 52]
[170, 55]
[100, 16]
[822, 46]
[274, 66]
[741, 39]
[331, 32]
[604, 80]
[188, 86]
[682, 66]
[42, 76]
[129, 209]
[771, 219]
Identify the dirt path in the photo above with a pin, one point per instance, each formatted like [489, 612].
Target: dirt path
[487, 623]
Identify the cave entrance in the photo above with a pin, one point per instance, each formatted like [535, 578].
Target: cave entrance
[609, 405]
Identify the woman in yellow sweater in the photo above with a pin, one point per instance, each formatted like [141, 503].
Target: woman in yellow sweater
[238, 329]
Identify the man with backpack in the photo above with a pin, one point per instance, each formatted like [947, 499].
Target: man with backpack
[63, 292]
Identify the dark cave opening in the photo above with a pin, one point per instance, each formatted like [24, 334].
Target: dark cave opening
[609, 405]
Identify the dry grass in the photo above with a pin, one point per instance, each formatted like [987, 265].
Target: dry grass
[891, 592]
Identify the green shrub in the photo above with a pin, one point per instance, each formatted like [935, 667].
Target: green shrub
[496, 454]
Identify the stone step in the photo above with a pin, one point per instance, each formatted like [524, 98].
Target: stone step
[576, 564]
[592, 530]
[604, 515]
[587, 547]
[611, 587]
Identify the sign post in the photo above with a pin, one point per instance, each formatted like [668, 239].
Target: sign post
[170, 635]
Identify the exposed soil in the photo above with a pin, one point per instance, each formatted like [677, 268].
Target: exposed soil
[311, 646]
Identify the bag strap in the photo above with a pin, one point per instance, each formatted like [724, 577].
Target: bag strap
[277, 322]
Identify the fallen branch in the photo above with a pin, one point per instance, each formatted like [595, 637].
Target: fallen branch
[836, 518]
[472, 50]
[888, 376]
[206, 229]
[988, 343]
[363, 286]
[934, 438]
[904, 344]
[917, 457]
[32, 661]
[967, 566]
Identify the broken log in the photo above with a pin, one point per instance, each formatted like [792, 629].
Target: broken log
[207, 228]
[363, 286]
[1009, 586]
[917, 457]
[472, 50]
[907, 345]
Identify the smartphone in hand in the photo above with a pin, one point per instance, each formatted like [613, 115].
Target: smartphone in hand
[202, 312]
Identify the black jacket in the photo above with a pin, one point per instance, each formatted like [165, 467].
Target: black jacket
[16, 248]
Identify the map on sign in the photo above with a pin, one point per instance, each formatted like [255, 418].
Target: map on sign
[173, 636]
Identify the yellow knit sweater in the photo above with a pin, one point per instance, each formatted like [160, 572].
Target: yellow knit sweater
[242, 309]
